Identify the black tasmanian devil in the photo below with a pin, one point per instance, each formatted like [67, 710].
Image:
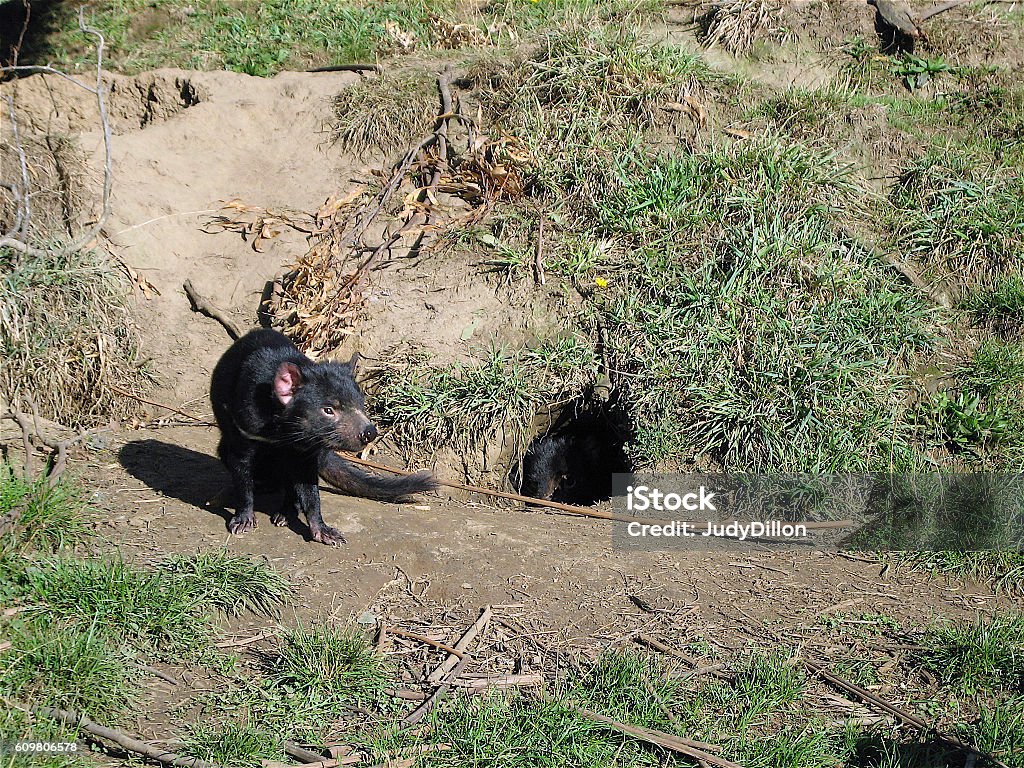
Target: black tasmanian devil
[282, 416]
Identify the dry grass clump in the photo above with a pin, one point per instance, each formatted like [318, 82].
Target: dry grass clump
[65, 333]
[737, 25]
[386, 113]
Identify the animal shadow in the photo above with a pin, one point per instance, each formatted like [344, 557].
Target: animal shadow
[195, 478]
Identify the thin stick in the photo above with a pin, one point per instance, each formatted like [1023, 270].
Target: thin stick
[651, 736]
[584, 511]
[423, 709]
[452, 661]
[141, 399]
[203, 305]
[425, 640]
[892, 709]
[301, 753]
[127, 742]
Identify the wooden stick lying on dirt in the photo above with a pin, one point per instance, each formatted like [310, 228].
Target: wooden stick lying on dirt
[449, 670]
[424, 639]
[126, 742]
[694, 749]
[204, 306]
[172, 409]
[452, 661]
[301, 753]
[891, 709]
[584, 511]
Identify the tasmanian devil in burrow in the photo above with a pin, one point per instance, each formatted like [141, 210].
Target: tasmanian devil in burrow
[282, 416]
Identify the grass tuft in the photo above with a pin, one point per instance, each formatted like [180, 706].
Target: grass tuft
[231, 743]
[39, 517]
[979, 655]
[462, 406]
[233, 584]
[65, 333]
[385, 113]
[76, 667]
[330, 667]
[964, 222]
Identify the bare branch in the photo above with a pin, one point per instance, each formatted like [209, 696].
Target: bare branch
[20, 244]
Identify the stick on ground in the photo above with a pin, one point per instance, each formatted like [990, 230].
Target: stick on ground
[203, 305]
[116, 737]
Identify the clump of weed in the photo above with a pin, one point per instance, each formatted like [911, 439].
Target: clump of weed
[386, 113]
[330, 667]
[231, 743]
[462, 406]
[749, 328]
[65, 334]
[978, 655]
[585, 99]
[737, 25]
[1003, 570]
[231, 583]
[1000, 307]
[145, 606]
[70, 667]
[37, 516]
[962, 221]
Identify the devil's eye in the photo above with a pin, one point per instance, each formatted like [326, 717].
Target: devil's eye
[328, 411]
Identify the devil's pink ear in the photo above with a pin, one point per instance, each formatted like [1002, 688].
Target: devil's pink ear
[287, 382]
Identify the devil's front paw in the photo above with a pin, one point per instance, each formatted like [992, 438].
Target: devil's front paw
[242, 522]
[327, 535]
[280, 519]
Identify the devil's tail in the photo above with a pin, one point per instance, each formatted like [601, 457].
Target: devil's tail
[355, 481]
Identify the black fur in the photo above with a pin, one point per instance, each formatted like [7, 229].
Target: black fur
[574, 463]
[281, 418]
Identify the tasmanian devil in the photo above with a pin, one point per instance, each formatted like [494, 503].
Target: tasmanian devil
[282, 416]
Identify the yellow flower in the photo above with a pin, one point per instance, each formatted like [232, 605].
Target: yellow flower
[601, 282]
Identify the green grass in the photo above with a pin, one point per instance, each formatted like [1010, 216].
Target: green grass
[232, 743]
[264, 38]
[233, 584]
[329, 667]
[750, 328]
[963, 221]
[1001, 306]
[1004, 571]
[44, 518]
[985, 654]
[462, 405]
[80, 667]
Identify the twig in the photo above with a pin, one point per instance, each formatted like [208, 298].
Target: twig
[157, 673]
[108, 175]
[172, 409]
[480, 684]
[538, 256]
[651, 736]
[461, 645]
[301, 753]
[442, 689]
[60, 447]
[203, 305]
[126, 742]
[583, 511]
[426, 640]
[349, 68]
[892, 709]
